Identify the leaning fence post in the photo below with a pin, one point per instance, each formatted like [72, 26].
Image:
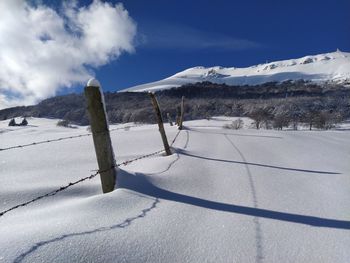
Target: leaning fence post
[100, 133]
[160, 123]
[182, 112]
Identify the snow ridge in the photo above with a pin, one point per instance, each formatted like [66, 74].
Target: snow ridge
[331, 67]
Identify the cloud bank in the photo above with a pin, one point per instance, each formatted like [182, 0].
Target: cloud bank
[43, 50]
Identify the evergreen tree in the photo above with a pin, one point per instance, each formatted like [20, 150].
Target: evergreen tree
[24, 122]
[12, 122]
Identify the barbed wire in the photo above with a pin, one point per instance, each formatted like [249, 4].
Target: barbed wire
[49, 194]
[177, 134]
[78, 181]
[62, 188]
[60, 139]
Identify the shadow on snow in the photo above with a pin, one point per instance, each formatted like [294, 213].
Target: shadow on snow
[256, 164]
[139, 183]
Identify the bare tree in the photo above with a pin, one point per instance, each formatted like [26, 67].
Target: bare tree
[327, 120]
[261, 116]
[281, 120]
[235, 125]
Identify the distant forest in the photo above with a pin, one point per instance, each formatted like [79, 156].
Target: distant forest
[271, 104]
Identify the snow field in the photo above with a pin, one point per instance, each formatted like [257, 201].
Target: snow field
[223, 196]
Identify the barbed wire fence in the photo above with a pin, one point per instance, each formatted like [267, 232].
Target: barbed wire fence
[103, 146]
[91, 176]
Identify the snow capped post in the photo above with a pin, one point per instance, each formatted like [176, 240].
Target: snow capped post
[160, 123]
[100, 133]
[182, 112]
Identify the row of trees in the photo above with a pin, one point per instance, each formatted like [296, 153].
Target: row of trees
[268, 117]
[271, 105]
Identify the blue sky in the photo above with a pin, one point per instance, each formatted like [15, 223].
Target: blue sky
[176, 34]
[57, 44]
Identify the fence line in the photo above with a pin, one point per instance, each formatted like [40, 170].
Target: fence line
[77, 136]
[52, 193]
[102, 142]
[60, 139]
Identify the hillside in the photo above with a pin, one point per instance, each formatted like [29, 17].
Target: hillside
[309, 84]
[222, 196]
[202, 101]
[323, 68]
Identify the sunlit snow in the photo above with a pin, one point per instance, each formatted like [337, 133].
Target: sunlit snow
[222, 196]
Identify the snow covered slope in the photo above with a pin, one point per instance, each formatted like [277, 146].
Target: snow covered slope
[223, 196]
[330, 67]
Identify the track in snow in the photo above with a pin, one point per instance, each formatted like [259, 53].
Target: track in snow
[258, 231]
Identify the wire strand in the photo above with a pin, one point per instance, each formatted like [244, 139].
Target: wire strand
[60, 139]
[62, 188]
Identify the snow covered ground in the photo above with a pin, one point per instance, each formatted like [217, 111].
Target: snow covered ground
[223, 196]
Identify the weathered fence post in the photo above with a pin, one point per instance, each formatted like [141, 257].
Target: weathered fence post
[178, 113]
[169, 119]
[100, 133]
[160, 123]
[182, 112]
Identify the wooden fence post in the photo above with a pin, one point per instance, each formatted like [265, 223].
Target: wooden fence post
[169, 119]
[182, 112]
[100, 133]
[160, 123]
[178, 113]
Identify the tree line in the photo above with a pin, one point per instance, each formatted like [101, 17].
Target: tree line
[271, 105]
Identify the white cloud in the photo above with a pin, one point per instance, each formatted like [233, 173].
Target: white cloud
[43, 50]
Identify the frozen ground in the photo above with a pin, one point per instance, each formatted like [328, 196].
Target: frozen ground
[223, 196]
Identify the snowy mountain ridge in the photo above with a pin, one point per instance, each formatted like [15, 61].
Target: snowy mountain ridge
[331, 67]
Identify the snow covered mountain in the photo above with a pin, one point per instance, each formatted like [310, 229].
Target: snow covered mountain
[329, 67]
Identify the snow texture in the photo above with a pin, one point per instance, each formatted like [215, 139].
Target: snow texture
[223, 196]
[329, 67]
